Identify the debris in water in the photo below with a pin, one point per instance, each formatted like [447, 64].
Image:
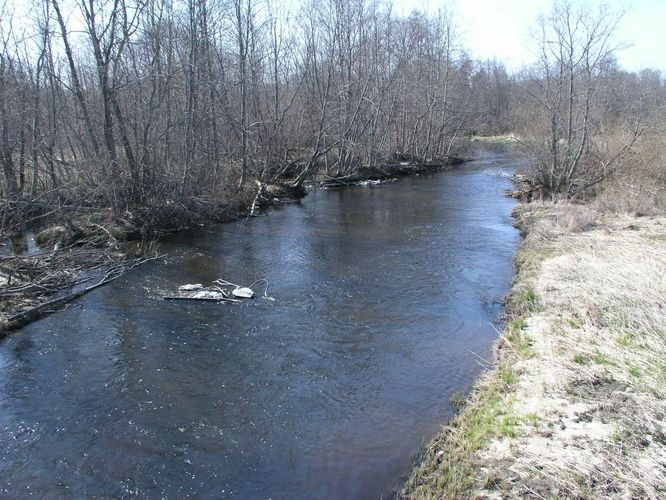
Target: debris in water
[204, 294]
[220, 291]
[243, 293]
[190, 288]
[209, 294]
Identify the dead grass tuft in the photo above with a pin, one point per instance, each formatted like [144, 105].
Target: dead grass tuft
[639, 188]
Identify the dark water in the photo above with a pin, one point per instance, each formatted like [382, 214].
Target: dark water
[384, 297]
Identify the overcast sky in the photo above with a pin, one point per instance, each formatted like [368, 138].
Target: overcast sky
[500, 29]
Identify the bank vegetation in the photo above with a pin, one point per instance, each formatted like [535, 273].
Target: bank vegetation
[158, 109]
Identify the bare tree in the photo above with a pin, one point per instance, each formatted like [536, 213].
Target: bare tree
[77, 87]
[576, 48]
[243, 26]
[7, 144]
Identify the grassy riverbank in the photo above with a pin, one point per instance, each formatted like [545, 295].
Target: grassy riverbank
[575, 406]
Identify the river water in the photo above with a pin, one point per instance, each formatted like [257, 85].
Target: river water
[385, 299]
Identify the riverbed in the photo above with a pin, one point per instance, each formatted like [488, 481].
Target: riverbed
[385, 303]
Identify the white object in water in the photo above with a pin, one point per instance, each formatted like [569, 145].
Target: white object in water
[242, 293]
[369, 182]
[208, 295]
[190, 288]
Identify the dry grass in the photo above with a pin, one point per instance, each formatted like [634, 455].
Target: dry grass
[639, 196]
[639, 187]
[587, 349]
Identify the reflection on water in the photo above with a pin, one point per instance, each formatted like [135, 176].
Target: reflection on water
[385, 296]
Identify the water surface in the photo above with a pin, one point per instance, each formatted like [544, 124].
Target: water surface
[385, 300]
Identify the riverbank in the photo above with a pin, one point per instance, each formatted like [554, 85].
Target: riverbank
[75, 249]
[387, 172]
[575, 406]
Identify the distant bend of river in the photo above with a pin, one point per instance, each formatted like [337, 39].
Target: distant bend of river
[385, 298]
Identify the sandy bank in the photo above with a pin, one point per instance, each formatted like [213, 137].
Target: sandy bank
[575, 406]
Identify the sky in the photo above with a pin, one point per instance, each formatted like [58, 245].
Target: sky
[500, 29]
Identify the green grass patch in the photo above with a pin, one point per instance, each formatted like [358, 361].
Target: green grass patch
[520, 342]
[575, 323]
[507, 375]
[529, 296]
[626, 339]
[531, 419]
[616, 437]
[516, 325]
[580, 359]
[601, 359]
[524, 302]
[507, 426]
[597, 357]
[447, 469]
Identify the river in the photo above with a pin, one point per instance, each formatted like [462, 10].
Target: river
[385, 303]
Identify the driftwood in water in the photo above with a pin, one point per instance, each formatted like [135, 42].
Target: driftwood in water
[390, 171]
[111, 274]
[209, 299]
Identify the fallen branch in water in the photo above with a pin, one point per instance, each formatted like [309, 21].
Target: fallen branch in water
[209, 299]
[37, 288]
[112, 273]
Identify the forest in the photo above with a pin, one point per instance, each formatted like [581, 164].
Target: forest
[138, 107]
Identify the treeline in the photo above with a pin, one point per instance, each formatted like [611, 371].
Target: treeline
[125, 103]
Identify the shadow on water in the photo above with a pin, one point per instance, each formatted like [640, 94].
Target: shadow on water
[384, 297]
